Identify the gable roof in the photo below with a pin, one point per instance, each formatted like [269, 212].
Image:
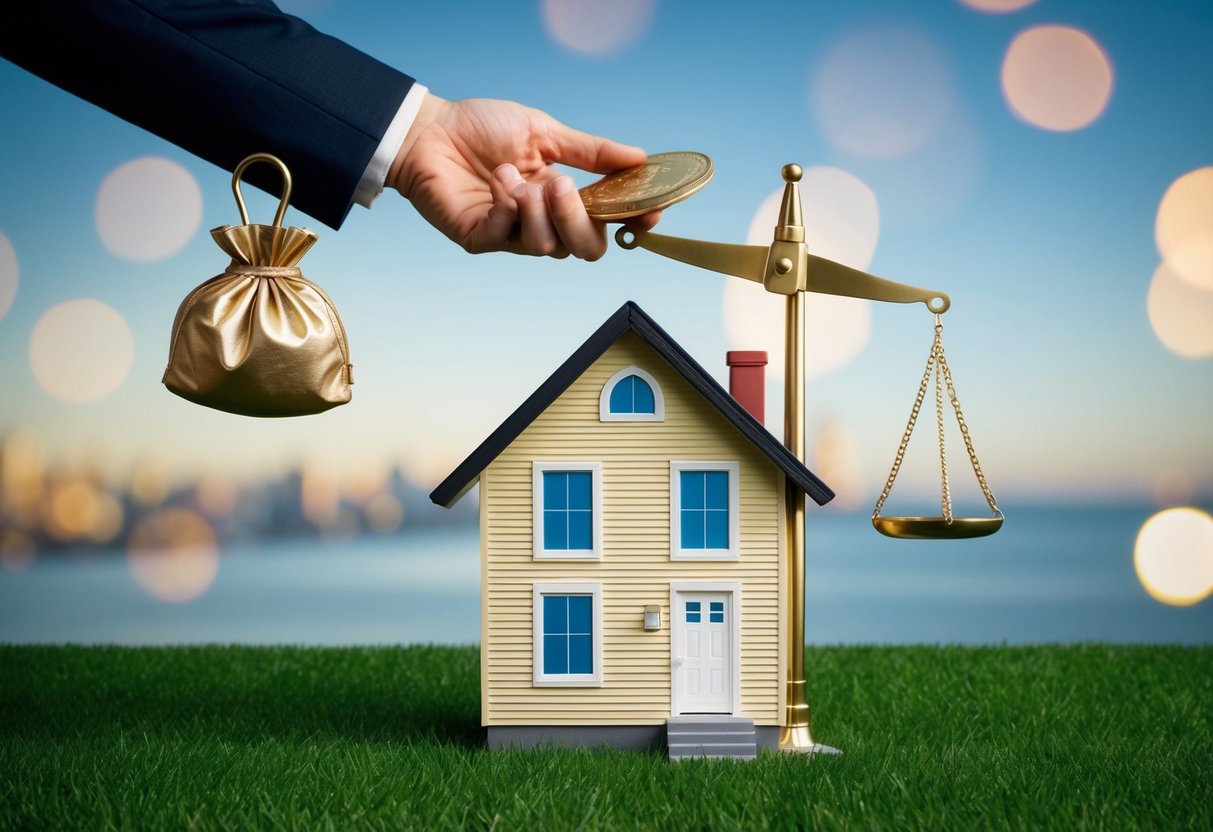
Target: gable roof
[629, 317]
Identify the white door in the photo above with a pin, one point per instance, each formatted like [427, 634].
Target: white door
[703, 654]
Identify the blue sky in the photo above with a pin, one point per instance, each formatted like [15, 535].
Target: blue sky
[1044, 238]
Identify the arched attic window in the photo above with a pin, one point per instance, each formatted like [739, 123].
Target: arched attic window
[631, 395]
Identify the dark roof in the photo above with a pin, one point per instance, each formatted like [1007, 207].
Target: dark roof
[629, 317]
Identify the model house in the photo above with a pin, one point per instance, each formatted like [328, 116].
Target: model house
[632, 573]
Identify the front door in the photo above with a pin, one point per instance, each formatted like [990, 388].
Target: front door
[703, 653]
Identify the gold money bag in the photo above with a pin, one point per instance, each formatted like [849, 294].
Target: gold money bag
[259, 339]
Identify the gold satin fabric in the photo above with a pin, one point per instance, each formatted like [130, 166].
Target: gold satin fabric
[260, 339]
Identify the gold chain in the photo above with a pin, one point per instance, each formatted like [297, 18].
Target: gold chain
[938, 362]
[964, 431]
[945, 496]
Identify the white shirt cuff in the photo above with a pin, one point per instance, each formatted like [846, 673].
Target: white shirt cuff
[371, 184]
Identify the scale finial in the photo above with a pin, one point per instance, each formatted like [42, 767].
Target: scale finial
[790, 228]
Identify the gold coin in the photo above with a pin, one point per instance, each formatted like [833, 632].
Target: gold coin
[664, 178]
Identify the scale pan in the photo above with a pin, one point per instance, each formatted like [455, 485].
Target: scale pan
[936, 528]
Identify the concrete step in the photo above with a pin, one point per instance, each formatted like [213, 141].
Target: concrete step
[711, 737]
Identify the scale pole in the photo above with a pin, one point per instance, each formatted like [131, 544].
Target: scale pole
[795, 734]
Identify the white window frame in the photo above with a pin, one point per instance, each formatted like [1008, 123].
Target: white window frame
[604, 398]
[538, 550]
[733, 552]
[566, 680]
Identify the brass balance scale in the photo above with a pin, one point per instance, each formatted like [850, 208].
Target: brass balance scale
[786, 267]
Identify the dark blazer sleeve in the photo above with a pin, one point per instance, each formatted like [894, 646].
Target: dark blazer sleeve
[222, 80]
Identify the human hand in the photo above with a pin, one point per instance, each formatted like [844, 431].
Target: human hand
[483, 172]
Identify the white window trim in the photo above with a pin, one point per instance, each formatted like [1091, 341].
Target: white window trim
[677, 624]
[733, 552]
[566, 680]
[604, 399]
[538, 551]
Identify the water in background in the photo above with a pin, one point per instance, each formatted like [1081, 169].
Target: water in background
[1050, 575]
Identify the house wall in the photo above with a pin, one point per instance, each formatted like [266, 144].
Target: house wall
[635, 569]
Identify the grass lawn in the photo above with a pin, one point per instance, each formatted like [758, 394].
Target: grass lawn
[1067, 737]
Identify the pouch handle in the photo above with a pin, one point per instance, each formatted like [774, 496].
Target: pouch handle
[286, 185]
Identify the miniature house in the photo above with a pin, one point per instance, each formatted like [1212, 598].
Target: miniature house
[633, 587]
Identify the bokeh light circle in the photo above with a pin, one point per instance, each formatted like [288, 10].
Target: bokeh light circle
[882, 92]
[592, 27]
[78, 509]
[1173, 556]
[1183, 228]
[1181, 314]
[8, 274]
[1056, 77]
[835, 460]
[148, 209]
[173, 555]
[997, 6]
[842, 223]
[81, 350]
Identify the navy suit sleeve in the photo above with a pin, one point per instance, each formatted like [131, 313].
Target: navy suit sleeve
[222, 80]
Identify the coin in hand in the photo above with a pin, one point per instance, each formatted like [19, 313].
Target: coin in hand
[663, 179]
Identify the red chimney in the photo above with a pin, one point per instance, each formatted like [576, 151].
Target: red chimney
[747, 380]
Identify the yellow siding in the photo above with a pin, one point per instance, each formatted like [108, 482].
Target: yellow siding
[635, 569]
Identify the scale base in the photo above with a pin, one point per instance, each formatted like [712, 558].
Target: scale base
[795, 739]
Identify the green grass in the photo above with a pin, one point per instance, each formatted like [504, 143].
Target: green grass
[1075, 737]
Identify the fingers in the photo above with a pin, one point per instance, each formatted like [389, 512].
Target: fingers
[593, 153]
[537, 234]
[499, 223]
[644, 222]
[584, 238]
[548, 220]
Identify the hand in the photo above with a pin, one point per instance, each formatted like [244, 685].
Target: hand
[482, 172]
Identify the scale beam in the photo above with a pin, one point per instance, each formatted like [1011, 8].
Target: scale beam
[782, 271]
[735, 260]
[829, 278]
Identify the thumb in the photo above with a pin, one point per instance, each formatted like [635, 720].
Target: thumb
[593, 153]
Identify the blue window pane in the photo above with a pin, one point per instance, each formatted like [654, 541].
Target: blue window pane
[567, 510]
[580, 614]
[581, 654]
[581, 531]
[555, 530]
[692, 530]
[622, 396]
[716, 534]
[642, 396]
[568, 638]
[555, 614]
[693, 614]
[692, 489]
[579, 490]
[716, 612]
[555, 489]
[632, 395]
[555, 654]
[717, 489]
[716, 606]
[693, 606]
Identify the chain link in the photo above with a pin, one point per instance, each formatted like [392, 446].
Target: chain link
[945, 495]
[937, 361]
